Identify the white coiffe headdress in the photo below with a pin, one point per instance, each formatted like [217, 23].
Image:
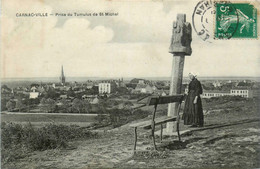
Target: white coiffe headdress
[193, 74]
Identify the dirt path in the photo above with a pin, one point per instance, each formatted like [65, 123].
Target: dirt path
[231, 146]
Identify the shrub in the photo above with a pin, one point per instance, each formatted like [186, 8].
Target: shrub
[10, 105]
[20, 139]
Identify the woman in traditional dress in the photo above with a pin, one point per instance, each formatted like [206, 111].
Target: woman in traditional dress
[193, 113]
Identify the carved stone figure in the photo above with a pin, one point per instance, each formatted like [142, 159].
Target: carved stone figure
[181, 36]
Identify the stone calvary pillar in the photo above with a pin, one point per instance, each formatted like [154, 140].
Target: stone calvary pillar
[180, 46]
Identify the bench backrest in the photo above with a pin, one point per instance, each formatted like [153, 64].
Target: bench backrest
[154, 100]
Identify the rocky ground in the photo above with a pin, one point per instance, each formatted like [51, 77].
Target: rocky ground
[230, 139]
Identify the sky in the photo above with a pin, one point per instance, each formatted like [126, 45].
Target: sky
[134, 43]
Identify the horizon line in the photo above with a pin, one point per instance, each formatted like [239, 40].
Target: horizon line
[119, 77]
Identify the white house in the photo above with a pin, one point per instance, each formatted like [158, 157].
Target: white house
[214, 93]
[144, 88]
[244, 92]
[106, 87]
[34, 95]
[217, 84]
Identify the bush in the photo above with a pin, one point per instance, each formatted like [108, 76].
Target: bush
[20, 139]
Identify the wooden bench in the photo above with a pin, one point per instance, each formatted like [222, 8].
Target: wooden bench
[155, 100]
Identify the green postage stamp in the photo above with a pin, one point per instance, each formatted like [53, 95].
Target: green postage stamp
[235, 20]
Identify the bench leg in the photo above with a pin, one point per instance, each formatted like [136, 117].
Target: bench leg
[154, 145]
[135, 138]
[178, 122]
[161, 132]
[178, 131]
[153, 126]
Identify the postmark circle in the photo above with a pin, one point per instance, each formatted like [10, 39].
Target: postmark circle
[202, 20]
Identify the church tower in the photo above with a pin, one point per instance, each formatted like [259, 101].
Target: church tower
[62, 77]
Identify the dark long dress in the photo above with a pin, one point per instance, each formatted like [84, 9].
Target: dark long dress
[193, 113]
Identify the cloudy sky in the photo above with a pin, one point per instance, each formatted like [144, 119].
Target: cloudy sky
[133, 44]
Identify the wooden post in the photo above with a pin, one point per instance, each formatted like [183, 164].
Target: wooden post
[178, 121]
[161, 132]
[135, 138]
[153, 126]
[180, 46]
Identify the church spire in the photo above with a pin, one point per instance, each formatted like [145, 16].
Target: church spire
[62, 77]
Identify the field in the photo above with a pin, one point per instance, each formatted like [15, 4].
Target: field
[230, 139]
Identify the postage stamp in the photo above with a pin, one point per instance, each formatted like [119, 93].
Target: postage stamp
[235, 20]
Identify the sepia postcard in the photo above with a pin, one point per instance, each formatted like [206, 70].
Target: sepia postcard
[130, 84]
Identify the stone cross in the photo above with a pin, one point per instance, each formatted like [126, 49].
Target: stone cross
[180, 46]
